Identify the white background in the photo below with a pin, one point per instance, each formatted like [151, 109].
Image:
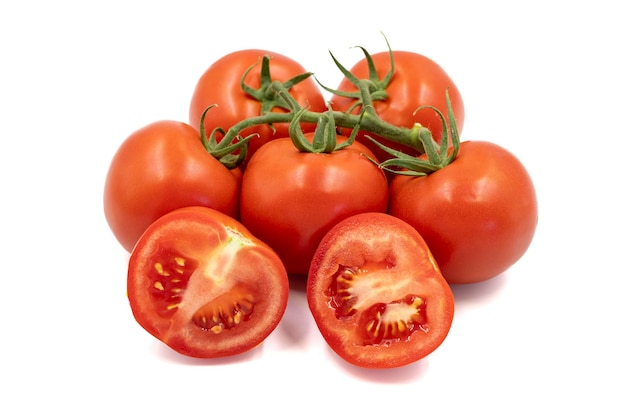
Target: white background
[543, 78]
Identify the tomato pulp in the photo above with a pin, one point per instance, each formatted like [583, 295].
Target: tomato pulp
[376, 293]
[204, 285]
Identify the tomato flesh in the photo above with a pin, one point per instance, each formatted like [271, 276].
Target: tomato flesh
[377, 294]
[226, 311]
[168, 279]
[393, 322]
[202, 284]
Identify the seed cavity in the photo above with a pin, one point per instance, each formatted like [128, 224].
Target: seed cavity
[385, 323]
[169, 276]
[226, 311]
[340, 292]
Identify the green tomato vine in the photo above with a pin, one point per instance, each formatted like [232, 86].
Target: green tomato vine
[231, 149]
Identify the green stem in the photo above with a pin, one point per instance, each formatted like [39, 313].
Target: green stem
[369, 122]
[437, 156]
[274, 94]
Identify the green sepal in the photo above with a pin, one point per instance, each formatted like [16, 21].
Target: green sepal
[376, 88]
[230, 153]
[325, 135]
[267, 94]
[437, 156]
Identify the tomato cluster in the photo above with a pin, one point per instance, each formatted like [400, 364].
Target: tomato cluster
[371, 198]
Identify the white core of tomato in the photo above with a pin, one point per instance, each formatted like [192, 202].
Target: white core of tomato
[223, 257]
[377, 287]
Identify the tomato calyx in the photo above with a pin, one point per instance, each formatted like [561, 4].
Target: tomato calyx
[230, 152]
[269, 94]
[368, 90]
[436, 156]
[232, 149]
[325, 136]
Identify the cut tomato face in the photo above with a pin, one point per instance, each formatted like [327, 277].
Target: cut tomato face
[202, 284]
[376, 293]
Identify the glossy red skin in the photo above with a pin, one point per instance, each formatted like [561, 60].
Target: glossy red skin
[290, 199]
[417, 81]
[478, 214]
[220, 84]
[393, 261]
[223, 263]
[161, 167]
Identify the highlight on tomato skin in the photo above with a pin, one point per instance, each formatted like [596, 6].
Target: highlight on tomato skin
[203, 285]
[376, 293]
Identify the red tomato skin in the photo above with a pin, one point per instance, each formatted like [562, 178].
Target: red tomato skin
[389, 248]
[478, 215]
[200, 235]
[220, 84]
[290, 199]
[161, 167]
[417, 81]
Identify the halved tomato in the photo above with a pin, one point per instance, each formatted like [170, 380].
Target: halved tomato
[201, 283]
[376, 293]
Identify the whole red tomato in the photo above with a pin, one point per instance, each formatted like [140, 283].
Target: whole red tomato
[161, 167]
[220, 85]
[417, 81]
[478, 215]
[290, 199]
[202, 284]
[376, 293]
